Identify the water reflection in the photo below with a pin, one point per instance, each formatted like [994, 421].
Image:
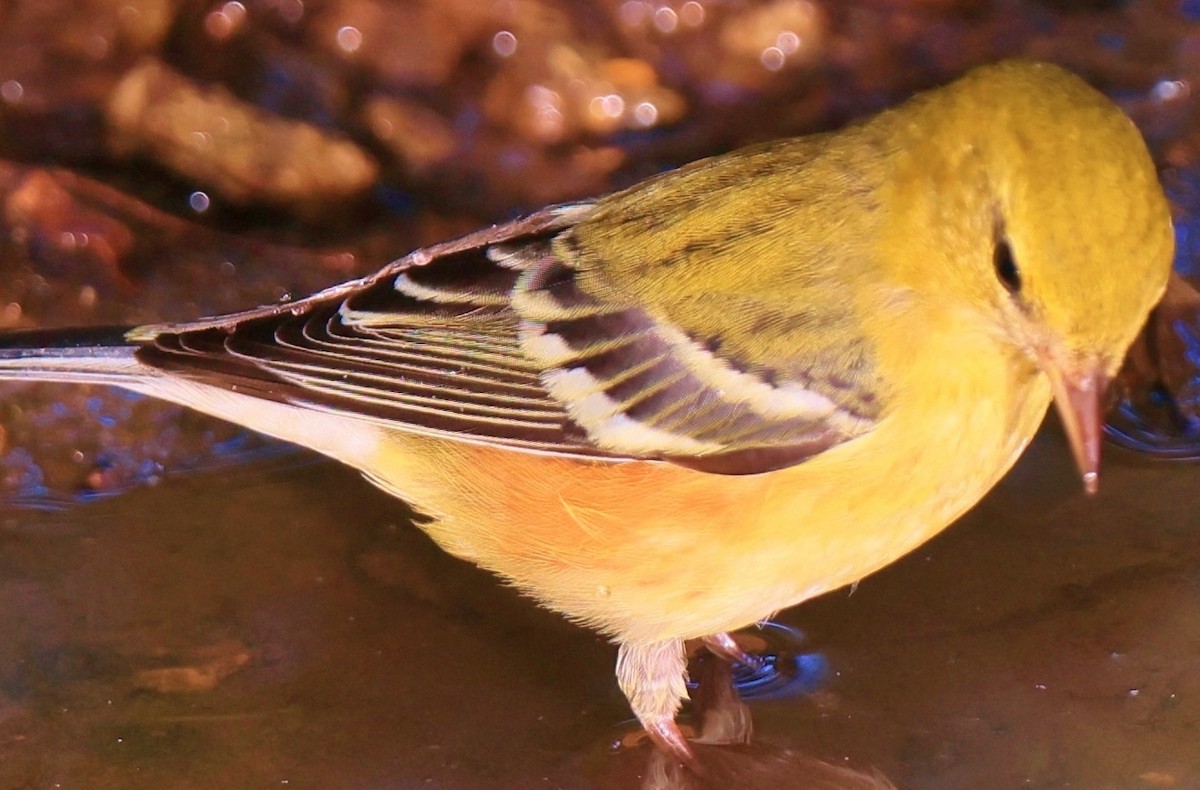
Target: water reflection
[1158, 392]
[335, 646]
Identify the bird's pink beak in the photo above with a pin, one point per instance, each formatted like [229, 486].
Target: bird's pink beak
[1079, 395]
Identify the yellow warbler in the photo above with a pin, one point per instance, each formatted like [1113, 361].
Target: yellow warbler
[674, 410]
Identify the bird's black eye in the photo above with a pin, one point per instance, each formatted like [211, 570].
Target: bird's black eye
[1006, 267]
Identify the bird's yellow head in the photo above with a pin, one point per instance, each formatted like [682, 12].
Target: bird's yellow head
[1041, 199]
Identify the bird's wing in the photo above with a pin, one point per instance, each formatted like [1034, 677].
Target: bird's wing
[495, 339]
[708, 316]
[426, 344]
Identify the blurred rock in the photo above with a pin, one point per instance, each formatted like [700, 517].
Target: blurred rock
[249, 156]
[56, 228]
[419, 138]
[89, 32]
[555, 83]
[416, 42]
[758, 42]
[572, 93]
[207, 667]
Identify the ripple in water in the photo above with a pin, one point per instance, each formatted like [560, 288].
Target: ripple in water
[1156, 426]
[783, 668]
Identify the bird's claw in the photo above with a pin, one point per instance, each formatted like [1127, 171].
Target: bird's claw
[725, 646]
[667, 736]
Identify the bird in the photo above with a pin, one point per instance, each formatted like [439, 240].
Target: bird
[672, 411]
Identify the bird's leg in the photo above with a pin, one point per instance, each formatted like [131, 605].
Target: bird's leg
[653, 677]
[726, 647]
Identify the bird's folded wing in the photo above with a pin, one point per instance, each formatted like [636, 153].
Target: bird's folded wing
[436, 353]
[492, 339]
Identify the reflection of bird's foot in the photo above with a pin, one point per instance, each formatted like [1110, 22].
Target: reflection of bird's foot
[726, 647]
[721, 716]
[667, 736]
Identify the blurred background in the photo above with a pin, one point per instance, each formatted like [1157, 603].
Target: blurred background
[245, 613]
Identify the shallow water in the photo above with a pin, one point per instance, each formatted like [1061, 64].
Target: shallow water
[1047, 640]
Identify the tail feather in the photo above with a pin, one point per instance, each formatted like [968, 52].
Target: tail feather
[78, 338]
[96, 355]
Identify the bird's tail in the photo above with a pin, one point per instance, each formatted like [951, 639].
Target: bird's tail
[94, 355]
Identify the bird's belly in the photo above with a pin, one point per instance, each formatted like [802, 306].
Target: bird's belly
[649, 551]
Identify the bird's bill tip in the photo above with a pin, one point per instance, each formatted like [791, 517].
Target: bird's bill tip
[1079, 396]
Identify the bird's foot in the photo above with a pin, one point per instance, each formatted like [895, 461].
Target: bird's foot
[726, 647]
[654, 678]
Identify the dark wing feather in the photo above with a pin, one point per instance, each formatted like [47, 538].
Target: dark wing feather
[641, 387]
[427, 344]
